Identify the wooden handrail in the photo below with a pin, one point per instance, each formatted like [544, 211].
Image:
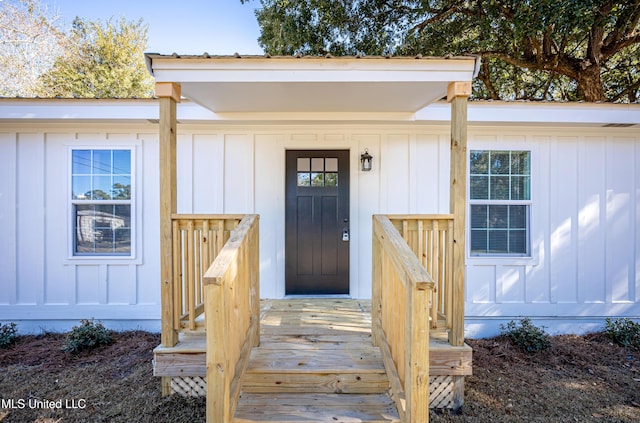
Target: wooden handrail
[197, 240]
[400, 314]
[232, 317]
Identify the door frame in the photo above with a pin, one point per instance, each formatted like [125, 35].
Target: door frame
[347, 151]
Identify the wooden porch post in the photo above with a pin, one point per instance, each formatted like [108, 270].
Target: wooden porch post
[457, 95]
[169, 95]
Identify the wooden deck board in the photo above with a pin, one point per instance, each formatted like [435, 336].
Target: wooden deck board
[356, 359]
[316, 408]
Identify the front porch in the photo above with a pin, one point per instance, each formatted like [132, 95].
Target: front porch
[316, 362]
[210, 264]
[315, 359]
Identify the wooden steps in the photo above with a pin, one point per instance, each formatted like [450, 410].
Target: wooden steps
[316, 363]
[357, 370]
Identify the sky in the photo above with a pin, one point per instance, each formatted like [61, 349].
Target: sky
[177, 26]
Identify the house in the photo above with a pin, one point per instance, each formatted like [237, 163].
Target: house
[114, 209]
[553, 228]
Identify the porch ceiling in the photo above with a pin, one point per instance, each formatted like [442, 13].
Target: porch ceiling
[311, 84]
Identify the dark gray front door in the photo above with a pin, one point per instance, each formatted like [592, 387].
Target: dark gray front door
[317, 222]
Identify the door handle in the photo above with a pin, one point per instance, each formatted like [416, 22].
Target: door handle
[345, 234]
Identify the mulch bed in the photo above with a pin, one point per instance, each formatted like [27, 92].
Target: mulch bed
[579, 379]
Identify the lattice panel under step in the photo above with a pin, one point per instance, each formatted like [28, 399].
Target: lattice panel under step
[189, 386]
[441, 392]
[441, 389]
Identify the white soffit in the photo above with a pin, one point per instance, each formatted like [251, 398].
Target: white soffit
[226, 84]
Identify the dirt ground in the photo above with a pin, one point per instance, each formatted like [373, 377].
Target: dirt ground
[580, 379]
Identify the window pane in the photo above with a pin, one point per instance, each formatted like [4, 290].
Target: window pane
[101, 189]
[317, 179]
[499, 188]
[331, 179]
[498, 242]
[520, 188]
[101, 162]
[479, 187]
[500, 162]
[479, 162]
[81, 162]
[517, 217]
[498, 216]
[121, 188]
[479, 241]
[304, 164]
[304, 179]
[81, 187]
[518, 242]
[478, 216]
[317, 164]
[331, 164]
[122, 162]
[520, 163]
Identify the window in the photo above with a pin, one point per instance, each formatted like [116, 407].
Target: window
[101, 202]
[500, 202]
[317, 172]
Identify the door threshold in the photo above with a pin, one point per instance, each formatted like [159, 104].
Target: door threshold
[318, 297]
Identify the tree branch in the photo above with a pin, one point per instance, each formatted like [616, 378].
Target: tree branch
[625, 26]
[626, 91]
[438, 16]
[485, 76]
[613, 49]
[563, 65]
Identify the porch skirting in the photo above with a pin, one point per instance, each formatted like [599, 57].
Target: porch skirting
[189, 386]
[442, 389]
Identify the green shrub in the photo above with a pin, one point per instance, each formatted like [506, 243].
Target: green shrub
[8, 334]
[623, 331]
[526, 335]
[87, 336]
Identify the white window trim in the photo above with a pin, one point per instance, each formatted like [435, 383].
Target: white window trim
[136, 218]
[533, 258]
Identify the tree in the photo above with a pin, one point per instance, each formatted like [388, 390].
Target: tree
[532, 49]
[105, 60]
[30, 41]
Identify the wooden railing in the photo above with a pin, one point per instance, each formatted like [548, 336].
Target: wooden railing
[400, 314]
[430, 237]
[197, 241]
[232, 317]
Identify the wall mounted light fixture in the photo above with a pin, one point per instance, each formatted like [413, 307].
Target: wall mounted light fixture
[366, 160]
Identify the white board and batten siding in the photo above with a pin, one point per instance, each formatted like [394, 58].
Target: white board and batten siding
[585, 215]
[43, 287]
[243, 171]
[585, 234]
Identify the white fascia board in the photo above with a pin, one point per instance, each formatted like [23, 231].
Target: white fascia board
[72, 109]
[108, 110]
[312, 70]
[542, 113]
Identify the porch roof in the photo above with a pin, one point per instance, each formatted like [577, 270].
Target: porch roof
[312, 83]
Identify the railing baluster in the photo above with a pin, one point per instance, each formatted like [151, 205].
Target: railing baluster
[177, 274]
[435, 273]
[449, 276]
[189, 280]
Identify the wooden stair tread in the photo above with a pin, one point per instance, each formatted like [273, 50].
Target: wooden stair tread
[349, 360]
[291, 408]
